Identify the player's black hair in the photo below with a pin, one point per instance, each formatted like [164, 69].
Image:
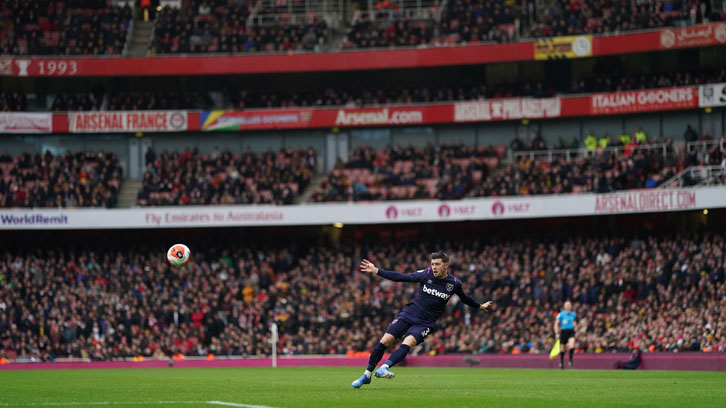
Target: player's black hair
[440, 255]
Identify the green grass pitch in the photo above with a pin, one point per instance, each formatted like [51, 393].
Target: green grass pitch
[330, 387]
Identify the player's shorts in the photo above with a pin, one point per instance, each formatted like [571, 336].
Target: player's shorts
[565, 335]
[402, 327]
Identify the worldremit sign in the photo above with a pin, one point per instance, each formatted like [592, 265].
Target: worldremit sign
[626, 202]
[128, 121]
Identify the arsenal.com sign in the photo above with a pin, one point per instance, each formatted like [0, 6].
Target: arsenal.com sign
[128, 121]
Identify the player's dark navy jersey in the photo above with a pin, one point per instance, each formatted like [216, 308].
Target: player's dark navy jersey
[432, 296]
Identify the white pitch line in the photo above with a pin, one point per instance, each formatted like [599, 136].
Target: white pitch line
[68, 404]
[234, 404]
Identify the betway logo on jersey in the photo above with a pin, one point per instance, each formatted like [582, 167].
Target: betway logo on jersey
[434, 292]
[377, 117]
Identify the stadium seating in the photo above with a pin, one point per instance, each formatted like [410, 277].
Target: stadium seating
[216, 26]
[396, 173]
[74, 27]
[83, 179]
[192, 178]
[564, 17]
[454, 172]
[660, 292]
[13, 102]
[363, 96]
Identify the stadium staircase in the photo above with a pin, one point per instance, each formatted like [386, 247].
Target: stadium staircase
[272, 13]
[696, 176]
[141, 38]
[313, 187]
[128, 194]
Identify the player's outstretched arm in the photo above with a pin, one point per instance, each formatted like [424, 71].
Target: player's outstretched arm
[487, 306]
[368, 267]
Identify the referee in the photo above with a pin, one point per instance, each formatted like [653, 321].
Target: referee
[565, 332]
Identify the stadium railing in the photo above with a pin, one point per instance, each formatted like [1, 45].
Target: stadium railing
[567, 154]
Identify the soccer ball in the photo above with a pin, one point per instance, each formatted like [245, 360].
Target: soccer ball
[178, 255]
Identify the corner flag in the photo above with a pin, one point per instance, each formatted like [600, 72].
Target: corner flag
[555, 350]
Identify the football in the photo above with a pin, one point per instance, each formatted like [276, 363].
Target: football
[178, 255]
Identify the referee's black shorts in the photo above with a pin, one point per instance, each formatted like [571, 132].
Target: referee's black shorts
[565, 335]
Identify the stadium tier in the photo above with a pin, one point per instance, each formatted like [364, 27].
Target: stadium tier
[444, 172]
[360, 96]
[87, 27]
[103, 302]
[450, 172]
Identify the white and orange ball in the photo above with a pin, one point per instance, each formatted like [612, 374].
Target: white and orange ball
[178, 255]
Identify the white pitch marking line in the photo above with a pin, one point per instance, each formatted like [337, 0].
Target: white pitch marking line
[68, 404]
[234, 404]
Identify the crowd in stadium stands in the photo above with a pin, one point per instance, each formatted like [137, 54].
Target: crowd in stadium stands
[658, 292]
[159, 100]
[192, 178]
[387, 34]
[74, 27]
[77, 102]
[361, 96]
[456, 171]
[92, 27]
[399, 173]
[83, 179]
[564, 17]
[489, 21]
[479, 21]
[13, 102]
[221, 26]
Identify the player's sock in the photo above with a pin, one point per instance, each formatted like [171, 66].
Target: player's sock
[572, 351]
[562, 358]
[375, 357]
[398, 355]
[368, 373]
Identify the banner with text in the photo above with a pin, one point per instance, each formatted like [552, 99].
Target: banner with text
[626, 202]
[712, 95]
[507, 109]
[128, 121]
[256, 119]
[694, 36]
[648, 100]
[563, 47]
[18, 122]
